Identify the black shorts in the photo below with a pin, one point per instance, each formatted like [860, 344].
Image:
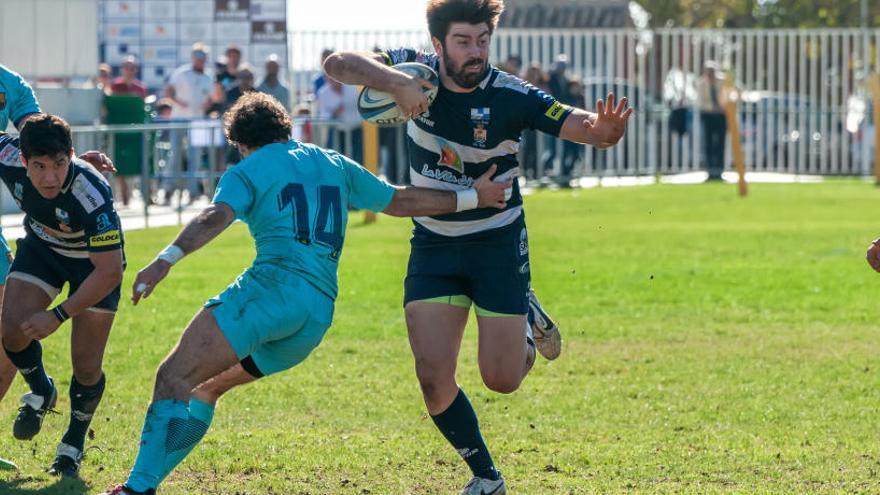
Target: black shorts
[491, 268]
[38, 264]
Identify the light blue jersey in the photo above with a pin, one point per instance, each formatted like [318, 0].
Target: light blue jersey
[17, 99]
[295, 199]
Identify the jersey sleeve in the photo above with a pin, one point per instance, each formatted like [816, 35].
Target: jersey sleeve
[10, 163]
[367, 191]
[23, 103]
[103, 230]
[542, 111]
[236, 191]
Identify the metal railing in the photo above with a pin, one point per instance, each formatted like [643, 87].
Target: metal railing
[805, 108]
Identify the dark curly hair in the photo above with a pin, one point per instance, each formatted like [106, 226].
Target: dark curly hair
[442, 13]
[45, 135]
[256, 120]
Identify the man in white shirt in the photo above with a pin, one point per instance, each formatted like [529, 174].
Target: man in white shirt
[190, 86]
[338, 101]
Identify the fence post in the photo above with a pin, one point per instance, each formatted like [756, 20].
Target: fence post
[735, 140]
[874, 88]
[371, 157]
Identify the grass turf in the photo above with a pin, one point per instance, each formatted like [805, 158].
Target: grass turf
[712, 345]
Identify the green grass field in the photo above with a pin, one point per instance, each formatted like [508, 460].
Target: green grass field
[712, 345]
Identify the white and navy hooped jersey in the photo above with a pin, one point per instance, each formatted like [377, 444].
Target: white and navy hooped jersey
[463, 134]
[80, 220]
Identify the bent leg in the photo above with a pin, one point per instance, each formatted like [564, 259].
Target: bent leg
[505, 356]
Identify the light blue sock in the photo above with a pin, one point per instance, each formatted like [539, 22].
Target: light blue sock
[148, 467]
[183, 436]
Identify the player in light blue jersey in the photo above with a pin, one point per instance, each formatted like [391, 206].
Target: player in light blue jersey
[294, 198]
[17, 102]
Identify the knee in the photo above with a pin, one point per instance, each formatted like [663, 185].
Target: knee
[432, 378]
[170, 384]
[503, 383]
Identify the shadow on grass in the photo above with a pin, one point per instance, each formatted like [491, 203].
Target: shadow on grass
[62, 486]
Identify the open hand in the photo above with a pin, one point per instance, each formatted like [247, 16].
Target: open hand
[610, 122]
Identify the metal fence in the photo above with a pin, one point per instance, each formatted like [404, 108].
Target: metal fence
[804, 107]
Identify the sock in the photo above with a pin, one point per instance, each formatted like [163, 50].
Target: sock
[459, 425]
[30, 363]
[84, 402]
[149, 465]
[183, 436]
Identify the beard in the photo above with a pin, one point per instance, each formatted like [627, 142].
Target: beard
[459, 74]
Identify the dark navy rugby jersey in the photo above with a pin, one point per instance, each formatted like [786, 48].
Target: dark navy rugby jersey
[81, 219]
[463, 134]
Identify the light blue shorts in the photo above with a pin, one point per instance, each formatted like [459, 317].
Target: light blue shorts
[272, 315]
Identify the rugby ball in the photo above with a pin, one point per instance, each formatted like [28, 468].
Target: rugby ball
[380, 108]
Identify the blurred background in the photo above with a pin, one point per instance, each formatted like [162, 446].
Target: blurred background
[121, 71]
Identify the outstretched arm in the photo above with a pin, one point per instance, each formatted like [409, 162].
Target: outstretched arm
[419, 201]
[368, 69]
[199, 231]
[602, 129]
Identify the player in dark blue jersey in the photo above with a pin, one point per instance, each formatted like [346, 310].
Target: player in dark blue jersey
[73, 236]
[479, 256]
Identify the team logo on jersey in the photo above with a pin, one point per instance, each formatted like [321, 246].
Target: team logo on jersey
[103, 223]
[2, 100]
[523, 242]
[63, 219]
[449, 158]
[480, 118]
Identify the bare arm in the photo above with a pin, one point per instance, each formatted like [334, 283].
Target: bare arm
[199, 231]
[368, 69]
[602, 129]
[418, 201]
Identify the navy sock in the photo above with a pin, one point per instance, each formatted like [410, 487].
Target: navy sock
[459, 425]
[30, 363]
[84, 402]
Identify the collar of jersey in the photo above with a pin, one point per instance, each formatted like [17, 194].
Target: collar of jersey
[69, 180]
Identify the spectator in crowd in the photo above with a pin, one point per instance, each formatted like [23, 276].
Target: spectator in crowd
[190, 86]
[231, 62]
[319, 81]
[571, 151]
[557, 83]
[711, 98]
[163, 108]
[128, 83]
[244, 83]
[535, 76]
[302, 126]
[104, 78]
[513, 65]
[272, 84]
[127, 152]
[339, 102]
